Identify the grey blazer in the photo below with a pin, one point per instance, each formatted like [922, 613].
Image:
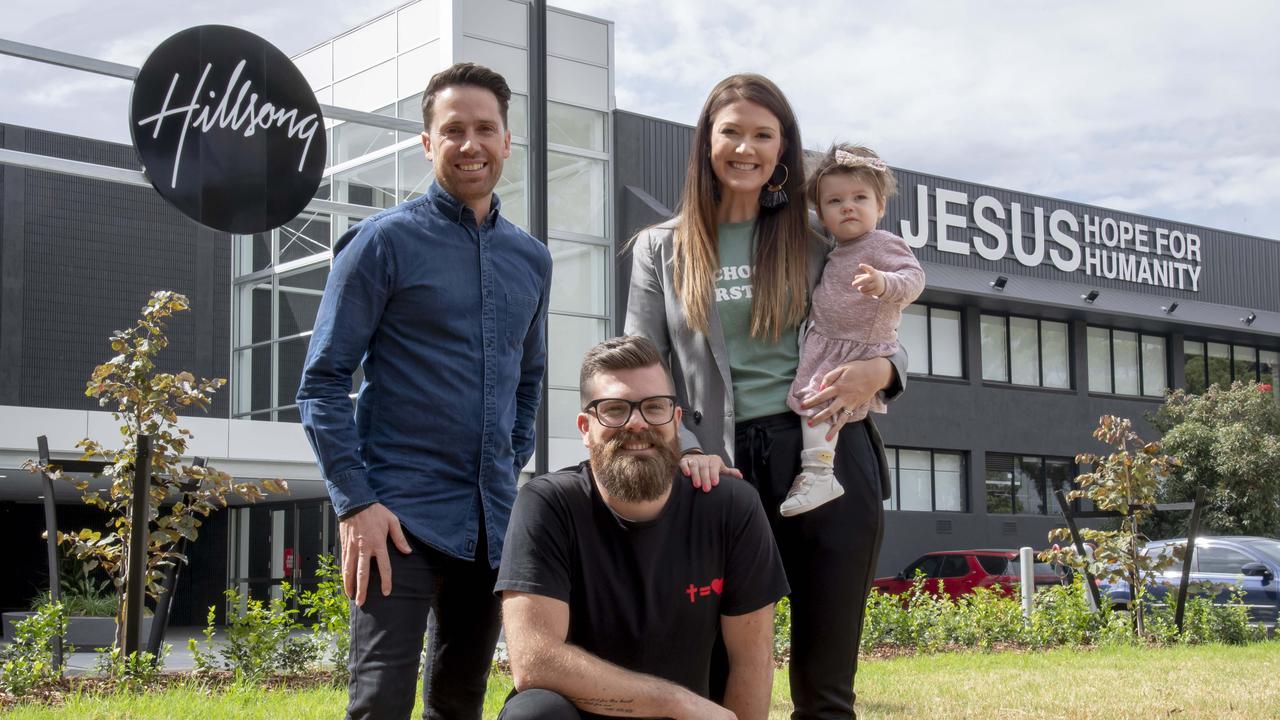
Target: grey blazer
[700, 363]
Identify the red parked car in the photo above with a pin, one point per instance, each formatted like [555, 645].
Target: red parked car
[958, 572]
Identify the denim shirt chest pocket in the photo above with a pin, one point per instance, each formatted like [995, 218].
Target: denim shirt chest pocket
[518, 316]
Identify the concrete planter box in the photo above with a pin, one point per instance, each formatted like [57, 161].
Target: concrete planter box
[85, 633]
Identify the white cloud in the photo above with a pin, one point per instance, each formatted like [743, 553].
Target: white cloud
[1165, 108]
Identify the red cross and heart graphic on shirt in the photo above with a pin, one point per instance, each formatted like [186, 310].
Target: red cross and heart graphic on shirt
[695, 591]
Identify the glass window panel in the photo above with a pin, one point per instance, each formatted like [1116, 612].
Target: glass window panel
[568, 339]
[253, 312]
[372, 184]
[914, 482]
[365, 46]
[999, 498]
[577, 37]
[1055, 352]
[995, 344]
[1219, 359]
[352, 140]
[580, 271]
[1125, 346]
[289, 415]
[1193, 365]
[1028, 486]
[418, 23]
[945, 342]
[577, 83]
[410, 108]
[413, 172]
[253, 252]
[575, 194]
[948, 482]
[300, 299]
[316, 66]
[369, 91]
[305, 235]
[1099, 342]
[913, 335]
[1269, 367]
[1153, 366]
[512, 187]
[1244, 364]
[518, 116]
[562, 413]
[292, 355]
[1024, 347]
[1057, 477]
[252, 376]
[575, 126]
[415, 68]
[891, 456]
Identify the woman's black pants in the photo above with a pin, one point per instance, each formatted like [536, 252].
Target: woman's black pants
[829, 554]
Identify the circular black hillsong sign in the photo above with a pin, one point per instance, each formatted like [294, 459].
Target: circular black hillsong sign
[228, 129]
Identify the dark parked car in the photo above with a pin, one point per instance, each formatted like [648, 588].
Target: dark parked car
[958, 572]
[1251, 563]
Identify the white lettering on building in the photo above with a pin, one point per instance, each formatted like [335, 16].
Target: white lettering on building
[1100, 246]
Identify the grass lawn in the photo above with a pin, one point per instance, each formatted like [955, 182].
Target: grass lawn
[1140, 683]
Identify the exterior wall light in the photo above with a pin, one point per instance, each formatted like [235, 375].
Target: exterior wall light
[1168, 309]
[999, 282]
[1090, 297]
[1248, 319]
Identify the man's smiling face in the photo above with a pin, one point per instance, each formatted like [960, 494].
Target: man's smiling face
[467, 143]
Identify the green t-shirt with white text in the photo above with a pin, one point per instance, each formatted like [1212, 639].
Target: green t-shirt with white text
[762, 370]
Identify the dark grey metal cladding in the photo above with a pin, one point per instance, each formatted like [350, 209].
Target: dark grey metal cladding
[91, 252]
[649, 161]
[1238, 270]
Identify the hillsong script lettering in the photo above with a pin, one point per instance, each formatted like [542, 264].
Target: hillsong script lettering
[243, 115]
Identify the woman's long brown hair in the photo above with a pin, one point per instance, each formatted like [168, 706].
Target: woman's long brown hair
[780, 275]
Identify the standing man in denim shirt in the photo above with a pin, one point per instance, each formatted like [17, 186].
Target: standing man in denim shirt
[444, 302]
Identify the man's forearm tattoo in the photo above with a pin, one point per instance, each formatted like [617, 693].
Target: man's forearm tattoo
[617, 705]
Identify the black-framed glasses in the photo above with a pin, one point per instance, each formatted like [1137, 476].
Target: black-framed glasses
[616, 412]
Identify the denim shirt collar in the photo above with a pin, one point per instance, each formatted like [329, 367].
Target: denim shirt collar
[456, 210]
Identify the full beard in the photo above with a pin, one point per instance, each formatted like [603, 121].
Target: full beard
[634, 478]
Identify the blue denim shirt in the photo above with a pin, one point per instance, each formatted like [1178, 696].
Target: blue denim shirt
[448, 319]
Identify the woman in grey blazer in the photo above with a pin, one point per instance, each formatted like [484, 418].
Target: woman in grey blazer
[722, 289]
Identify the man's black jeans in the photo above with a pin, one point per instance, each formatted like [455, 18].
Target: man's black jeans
[386, 636]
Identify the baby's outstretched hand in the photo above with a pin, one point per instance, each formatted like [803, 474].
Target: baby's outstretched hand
[869, 281]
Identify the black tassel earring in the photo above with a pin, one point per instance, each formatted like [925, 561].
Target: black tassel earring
[773, 196]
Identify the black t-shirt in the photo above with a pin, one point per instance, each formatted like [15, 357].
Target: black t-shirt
[646, 596]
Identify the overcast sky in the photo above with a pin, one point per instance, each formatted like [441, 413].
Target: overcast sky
[1169, 109]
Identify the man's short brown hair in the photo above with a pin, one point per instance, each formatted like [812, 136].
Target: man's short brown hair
[626, 352]
[466, 73]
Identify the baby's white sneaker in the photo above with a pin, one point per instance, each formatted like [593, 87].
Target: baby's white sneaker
[811, 490]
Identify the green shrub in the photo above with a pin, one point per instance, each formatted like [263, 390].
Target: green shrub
[136, 671]
[782, 630]
[27, 661]
[259, 639]
[329, 607]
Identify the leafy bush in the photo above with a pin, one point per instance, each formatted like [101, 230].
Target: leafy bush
[329, 607]
[782, 630]
[259, 639]
[27, 661]
[1060, 616]
[82, 592]
[136, 671]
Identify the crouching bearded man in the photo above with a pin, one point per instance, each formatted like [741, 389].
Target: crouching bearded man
[617, 574]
